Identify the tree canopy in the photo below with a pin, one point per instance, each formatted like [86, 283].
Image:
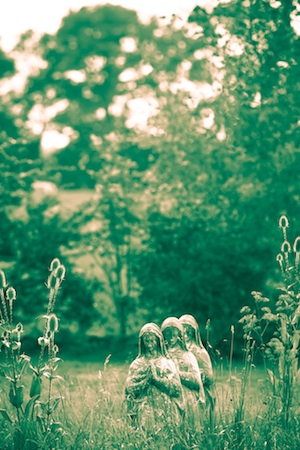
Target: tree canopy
[188, 135]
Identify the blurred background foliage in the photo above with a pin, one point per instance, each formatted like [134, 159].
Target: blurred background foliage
[154, 160]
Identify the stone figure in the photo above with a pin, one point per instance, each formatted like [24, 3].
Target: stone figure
[153, 389]
[193, 392]
[194, 344]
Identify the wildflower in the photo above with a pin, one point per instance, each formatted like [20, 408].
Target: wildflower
[258, 297]
[245, 310]
[269, 317]
[275, 346]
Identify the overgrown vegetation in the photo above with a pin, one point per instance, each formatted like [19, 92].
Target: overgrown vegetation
[272, 327]
[185, 132]
[257, 406]
[28, 414]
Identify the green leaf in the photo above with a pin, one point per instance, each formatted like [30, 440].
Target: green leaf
[9, 378]
[56, 402]
[5, 415]
[57, 377]
[30, 405]
[36, 386]
[16, 397]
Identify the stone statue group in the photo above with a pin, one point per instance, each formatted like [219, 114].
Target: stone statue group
[170, 383]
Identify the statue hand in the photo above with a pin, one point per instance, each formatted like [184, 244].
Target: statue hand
[153, 374]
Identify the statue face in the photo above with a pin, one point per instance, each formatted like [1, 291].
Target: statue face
[171, 335]
[189, 332]
[150, 342]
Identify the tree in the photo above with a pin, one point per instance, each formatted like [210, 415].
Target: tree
[209, 174]
[237, 176]
[31, 235]
[81, 92]
[108, 229]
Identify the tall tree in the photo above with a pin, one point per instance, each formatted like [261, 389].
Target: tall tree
[229, 183]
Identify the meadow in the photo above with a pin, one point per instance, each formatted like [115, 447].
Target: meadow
[92, 414]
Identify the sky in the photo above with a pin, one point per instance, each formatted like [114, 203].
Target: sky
[44, 16]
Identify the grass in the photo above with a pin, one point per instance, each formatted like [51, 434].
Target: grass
[92, 415]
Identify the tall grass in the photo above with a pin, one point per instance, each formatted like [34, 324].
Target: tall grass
[83, 407]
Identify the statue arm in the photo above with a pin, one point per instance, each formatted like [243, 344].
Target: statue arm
[206, 368]
[169, 382]
[137, 381]
[191, 378]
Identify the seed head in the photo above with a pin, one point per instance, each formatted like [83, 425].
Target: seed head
[52, 323]
[53, 282]
[5, 335]
[19, 328]
[296, 246]
[286, 247]
[55, 263]
[55, 349]
[283, 222]
[11, 294]
[3, 283]
[15, 345]
[60, 272]
[43, 342]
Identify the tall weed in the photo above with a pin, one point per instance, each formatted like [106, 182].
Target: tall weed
[273, 328]
[29, 413]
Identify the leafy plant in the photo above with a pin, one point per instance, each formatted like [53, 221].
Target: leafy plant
[274, 328]
[14, 367]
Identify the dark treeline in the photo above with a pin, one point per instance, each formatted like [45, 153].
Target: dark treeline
[185, 142]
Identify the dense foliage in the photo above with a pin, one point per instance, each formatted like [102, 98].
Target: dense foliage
[188, 135]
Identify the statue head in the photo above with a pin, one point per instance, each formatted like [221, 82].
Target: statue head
[151, 340]
[191, 329]
[173, 333]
